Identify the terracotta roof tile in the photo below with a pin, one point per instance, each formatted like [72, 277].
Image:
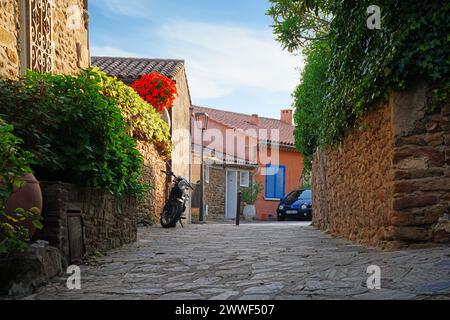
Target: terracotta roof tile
[242, 121]
[130, 69]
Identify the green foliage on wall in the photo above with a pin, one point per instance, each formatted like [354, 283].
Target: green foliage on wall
[143, 120]
[75, 134]
[365, 65]
[308, 101]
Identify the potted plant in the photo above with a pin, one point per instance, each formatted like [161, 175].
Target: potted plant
[249, 197]
[159, 91]
[20, 194]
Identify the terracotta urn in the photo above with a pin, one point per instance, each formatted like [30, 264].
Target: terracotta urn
[27, 197]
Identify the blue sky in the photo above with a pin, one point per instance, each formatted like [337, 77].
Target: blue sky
[232, 60]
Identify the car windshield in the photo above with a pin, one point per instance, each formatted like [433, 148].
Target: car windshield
[305, 195]
[292, 197]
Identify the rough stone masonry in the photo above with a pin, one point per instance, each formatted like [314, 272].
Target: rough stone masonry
[70, 45]
[389, 185]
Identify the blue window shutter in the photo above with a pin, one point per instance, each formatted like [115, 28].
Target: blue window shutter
[270, 183]
[280, 182]
[275, 182]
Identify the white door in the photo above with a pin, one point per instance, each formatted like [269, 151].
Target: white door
[231, 195]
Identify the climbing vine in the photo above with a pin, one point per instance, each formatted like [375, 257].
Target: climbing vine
[365, 64]
[143, 121]
[308, 100]
[74, 133]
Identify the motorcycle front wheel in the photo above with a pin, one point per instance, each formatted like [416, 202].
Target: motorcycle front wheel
[171, 215]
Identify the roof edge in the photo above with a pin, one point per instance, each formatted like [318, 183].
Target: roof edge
[140, 58]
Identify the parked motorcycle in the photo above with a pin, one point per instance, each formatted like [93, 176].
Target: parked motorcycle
[176, 203]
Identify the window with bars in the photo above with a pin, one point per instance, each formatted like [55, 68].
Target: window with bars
[38, 35]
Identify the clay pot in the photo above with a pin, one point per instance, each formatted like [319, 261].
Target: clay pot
[27, 197]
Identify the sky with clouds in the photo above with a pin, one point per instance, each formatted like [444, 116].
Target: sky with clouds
[232, 60]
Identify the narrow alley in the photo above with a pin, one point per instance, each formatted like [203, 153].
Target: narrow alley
[256, 261]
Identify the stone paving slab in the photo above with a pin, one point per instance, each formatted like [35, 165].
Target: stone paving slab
[261, 261]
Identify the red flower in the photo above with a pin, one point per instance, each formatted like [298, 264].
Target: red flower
[157, 90]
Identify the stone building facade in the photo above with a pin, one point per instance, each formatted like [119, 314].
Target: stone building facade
[215, 189]
[151, 205]
[389, 185]
[59, 45]
[181, 122]
[253, 147]
[129, 70]
[52, 36]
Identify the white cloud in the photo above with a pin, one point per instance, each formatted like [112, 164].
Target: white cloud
[220, 58]
[108, 51]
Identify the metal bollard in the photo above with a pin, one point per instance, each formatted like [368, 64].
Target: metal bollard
[238, 209]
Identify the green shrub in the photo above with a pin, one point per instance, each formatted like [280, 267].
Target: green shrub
[143, 120]
[250, 194]
[75, 134]
[365, 65]
[14, 164]
[368, 64]
[309, 100]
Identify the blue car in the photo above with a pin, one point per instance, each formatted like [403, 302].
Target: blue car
[297, 204]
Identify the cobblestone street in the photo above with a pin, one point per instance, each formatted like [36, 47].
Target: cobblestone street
[255, 261]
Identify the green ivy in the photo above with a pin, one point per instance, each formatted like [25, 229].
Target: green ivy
[364, 65]
[143, 120]
[76, 135]
[308, 101]
[368, 64]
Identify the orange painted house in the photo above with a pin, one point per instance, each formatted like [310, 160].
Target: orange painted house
[240, 148]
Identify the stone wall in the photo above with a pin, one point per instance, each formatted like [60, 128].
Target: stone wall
[388, 185]
[107, 221]
[151, 206]
[22, 274]
[421, 169]
[181, 124]
[9, 39]
[215, 193]
[352, 184]
[71, 43]
[70, 40]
